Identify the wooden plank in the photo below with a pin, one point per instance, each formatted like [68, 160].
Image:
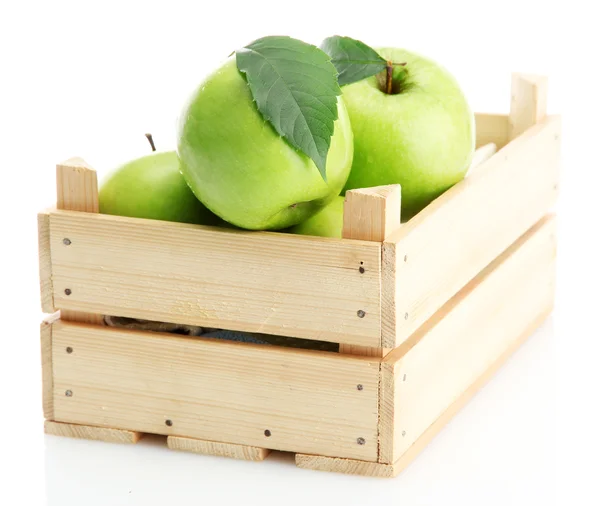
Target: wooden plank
[46, 356]
[371, 214]
[482, 154]
[346, 466]
[432, 256]
[491, 128]
[273, 283]
[254, 395]
[383, 470]
[76, 190]
[89, 432]
[528, 103]
[458, 344]
[45, 263]
[240, 452]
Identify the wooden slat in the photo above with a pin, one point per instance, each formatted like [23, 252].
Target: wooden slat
[309, 401]
[45, 263]
[348, 466]
[371, 214]
[46, 356]
[273, 283]
[528, 103]
[491, 128]
[89, 432]
[77, 190]
[482, 154]
[233, 451]
[438, 251]
[458, 344]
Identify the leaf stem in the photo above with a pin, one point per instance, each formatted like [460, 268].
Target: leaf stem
[151, 141]
[388, 81]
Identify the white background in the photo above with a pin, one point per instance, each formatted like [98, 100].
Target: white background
[90, 78]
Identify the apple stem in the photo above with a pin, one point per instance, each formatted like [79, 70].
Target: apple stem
[151, 141]
[389, 75]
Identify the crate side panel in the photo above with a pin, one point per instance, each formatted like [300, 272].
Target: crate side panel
[446, 245]
[436, 365]
[45, 263]
[491, 128]
[273, 283]
[216, 391]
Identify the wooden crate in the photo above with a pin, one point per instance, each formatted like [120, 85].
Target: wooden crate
[424, 312]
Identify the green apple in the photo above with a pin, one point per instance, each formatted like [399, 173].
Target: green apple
[242, 170]
[328, 222]
[152, 187]
[422, 135]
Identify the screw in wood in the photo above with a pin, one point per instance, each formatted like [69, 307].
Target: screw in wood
[69, 349]
[359, 387]
[169, 423]
[403, 433]
[69, 393]
[406, 316]
[66, 241]
[360, 313]
[268, 433]
[361, 441]
[68, 291]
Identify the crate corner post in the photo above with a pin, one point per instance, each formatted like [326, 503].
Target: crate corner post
[372, 214]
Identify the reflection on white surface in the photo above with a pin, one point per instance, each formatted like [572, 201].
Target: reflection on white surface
[505, 435]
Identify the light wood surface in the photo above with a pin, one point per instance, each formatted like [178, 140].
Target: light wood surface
[491, 128]
[76, 190]
[528, 103]
[442, 248]
[273, 283]
[348, 466]
[310, 402]
[89, 432]
[371, 214]
[482, 154]
[456, 346]
[46, 356]
[233, 451]
[45, 263]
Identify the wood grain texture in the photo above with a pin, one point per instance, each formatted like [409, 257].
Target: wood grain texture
[491, 128]
[217, 391]
[76, 186]
[45, 263]
[233, 451]
[371, 214]
[527, 104]
[346, 466]
[442, 248]
[76, 190]
[274, 283]
[452, 349]
[46, 356]
[89, 432]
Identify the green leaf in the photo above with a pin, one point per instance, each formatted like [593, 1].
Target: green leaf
[353, 59]
[295, 88]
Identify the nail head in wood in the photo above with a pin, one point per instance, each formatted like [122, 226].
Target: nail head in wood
[361, 441]
[359, 387]
[69, 349]
[69, 393]
[360, 313]
[406, 316]
[66, 242]
[169, 423]
[268, 433]
[68, 291]
[361, 270]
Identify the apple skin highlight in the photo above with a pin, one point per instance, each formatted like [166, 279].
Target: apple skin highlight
[421, 137]
[242, 170]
